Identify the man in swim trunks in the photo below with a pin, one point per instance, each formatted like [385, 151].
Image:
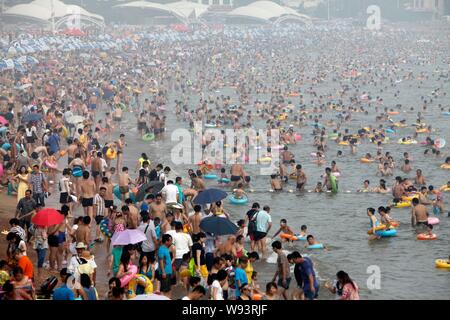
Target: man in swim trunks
[87, 194]
[301, 177]
[109, 196]
[237, 172]
[96, 169]
[72, 149]
[419, 215]
[124, 182]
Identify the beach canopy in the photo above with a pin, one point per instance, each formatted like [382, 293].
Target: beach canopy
[218, 226]
[209, 196]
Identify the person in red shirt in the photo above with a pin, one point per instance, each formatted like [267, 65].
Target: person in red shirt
[25, 263]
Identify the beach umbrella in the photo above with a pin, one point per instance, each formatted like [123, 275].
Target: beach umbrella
[3, 121]
[156, 187]
[150, 296]
[75, 119]
[209, 196]
[128, 236]
[47, 217]
[31, 117]
[218, 226]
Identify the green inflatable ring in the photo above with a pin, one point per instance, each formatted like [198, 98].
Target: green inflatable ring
[148, 137]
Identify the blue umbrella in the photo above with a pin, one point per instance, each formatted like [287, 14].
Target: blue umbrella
[31, 117]
[209, 196]
[218, 226]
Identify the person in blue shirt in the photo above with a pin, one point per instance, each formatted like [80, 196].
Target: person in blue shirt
[240, 277]
[305, 275]
[164, 271]
[64, 292]
[53, 142]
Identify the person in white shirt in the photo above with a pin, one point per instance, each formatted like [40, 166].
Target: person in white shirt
[170, 193]
[149, 246]
[196, 294]
[76, 261]
[182, 242]
[217, 285]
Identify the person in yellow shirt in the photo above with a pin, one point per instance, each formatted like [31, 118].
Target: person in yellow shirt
[252, 257]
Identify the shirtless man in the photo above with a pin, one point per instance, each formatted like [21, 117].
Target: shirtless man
[286, 156]
[87, 194]
[124, 183]
[398, 190]
[419, 214]
[109, 196]
[117, 116]
[197, 183]
[406, 167]
[77, 163]
[227, 248]
[96, 169]
[71, 149]
[41, 151]
[423, 198]
[120, 144]
[275, 183]
[195, 219]
[158, 208]
[420, 179]
[237, 172]
[84, 231]
[133, 215]
[301, 178]
[166, 225]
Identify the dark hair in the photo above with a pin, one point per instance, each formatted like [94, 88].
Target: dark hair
[85, 280]
[193, 281]
[14, 221]
[276, 245]
[271, 285]
[197, 208]
[116, 281]
[125, 259]
[221, 275]
[87, 220]
[85, 174]
[199, 289]
[344, 278]
[253, 254]
[166, 238]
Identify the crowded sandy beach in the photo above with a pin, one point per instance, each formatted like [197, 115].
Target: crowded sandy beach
[288, 162]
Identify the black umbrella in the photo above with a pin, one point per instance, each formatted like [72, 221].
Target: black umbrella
[218, 226]
[209, 196]
[152, 187]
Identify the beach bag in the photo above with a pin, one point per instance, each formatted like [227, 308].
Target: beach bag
[252, 224]
[48, 285]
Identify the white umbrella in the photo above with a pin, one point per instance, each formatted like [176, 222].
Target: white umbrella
[129, 236]
[151, 296]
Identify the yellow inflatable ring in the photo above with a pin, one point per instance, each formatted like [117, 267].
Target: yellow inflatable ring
[441, 263]
[111, 154]
[403, 204]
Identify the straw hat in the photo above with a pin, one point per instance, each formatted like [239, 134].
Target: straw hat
[80, 245]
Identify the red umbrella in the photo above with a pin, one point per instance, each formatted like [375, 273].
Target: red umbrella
[47, 217]
[3, 120]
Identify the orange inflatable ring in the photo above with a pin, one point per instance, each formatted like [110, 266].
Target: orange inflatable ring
[426, 236]
[293, 94]
[288, 236]
[365, 160]
[393, 113]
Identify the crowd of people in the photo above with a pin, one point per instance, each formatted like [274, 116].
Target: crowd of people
[65, 143]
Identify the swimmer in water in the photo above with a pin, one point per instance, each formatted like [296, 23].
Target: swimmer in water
[318, 188]
[310, 241]
[284, 229]
[365, 187]
[239, 193]
[275, 183]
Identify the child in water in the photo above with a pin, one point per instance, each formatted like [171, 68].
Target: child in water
[284, 229]
[310, 241]
[318, 187]
[223, 176]
[239, 193]
[303, 231]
